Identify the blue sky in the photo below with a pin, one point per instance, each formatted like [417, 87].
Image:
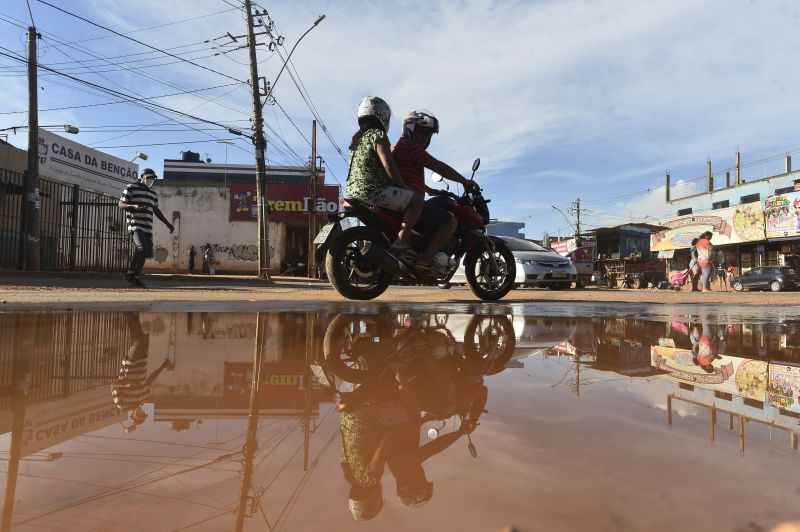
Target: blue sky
[560, 99]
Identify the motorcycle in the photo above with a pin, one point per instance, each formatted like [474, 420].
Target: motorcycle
[361, 265]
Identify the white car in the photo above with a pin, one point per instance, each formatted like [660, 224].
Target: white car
[536, 266]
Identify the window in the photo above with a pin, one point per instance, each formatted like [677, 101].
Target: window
[518, 244]
[683, 212]
[750, 198]
[721, 204]
[784, 190]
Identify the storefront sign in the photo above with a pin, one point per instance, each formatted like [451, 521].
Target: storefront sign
[742, 223]
[53, 422]
[286, 202]
[69, 162]
[783, 388]
[782, 214]
[738, 376]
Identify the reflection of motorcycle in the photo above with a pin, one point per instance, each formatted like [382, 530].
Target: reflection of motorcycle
[360, 264]
[372, 356]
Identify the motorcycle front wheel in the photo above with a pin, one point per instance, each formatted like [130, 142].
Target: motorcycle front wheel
[347, 266]
[490, 280]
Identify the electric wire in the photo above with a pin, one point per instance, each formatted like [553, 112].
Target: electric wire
[119, 34]
[30, 12]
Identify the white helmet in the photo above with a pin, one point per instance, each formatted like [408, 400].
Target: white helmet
[377, 107]
[417, 119]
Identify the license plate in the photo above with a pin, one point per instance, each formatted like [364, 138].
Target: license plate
[322, 236]
[558, 275]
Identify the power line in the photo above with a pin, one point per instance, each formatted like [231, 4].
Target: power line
[114, 92]
[88, 21]
[196, 141]
[30, 12]
[164, 25]
[129, 100]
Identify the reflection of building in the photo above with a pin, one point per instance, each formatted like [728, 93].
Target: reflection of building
[216, 204]
[213, 365]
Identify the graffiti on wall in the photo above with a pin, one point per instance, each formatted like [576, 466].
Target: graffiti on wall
[239, 252]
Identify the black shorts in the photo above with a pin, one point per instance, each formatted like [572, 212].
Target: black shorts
[434, 215]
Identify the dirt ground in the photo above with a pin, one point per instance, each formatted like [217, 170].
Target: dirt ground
[93, 291]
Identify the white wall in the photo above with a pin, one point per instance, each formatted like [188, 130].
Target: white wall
[203, 217]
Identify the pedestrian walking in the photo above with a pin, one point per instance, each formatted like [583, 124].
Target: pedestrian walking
[192, 256]
[704, 254]
[140, 203]
[208, 259]
[694, 269]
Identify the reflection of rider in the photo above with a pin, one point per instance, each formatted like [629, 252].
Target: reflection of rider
[703, 347]
[133, 384]
[386, 431]
[412, 159]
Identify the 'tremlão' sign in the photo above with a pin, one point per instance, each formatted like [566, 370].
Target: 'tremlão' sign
[67, 161]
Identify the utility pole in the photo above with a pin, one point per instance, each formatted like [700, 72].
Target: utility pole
[312, 220]
[575, 209]
[30, 256]
[260, 142]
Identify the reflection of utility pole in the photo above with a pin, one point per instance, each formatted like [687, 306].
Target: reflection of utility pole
[23, 347]
[310, 327]
[251, 443]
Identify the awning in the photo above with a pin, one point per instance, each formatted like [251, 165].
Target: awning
[666, 254]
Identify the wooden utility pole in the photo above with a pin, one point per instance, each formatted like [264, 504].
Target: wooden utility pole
[251, 443]
[30, 255]
[709, 176]
[312, 219]
[260, 142]
[738, 168]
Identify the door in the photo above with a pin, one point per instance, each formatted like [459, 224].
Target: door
[754, 278]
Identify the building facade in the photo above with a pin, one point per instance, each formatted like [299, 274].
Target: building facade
[215, 205]
[753, 224]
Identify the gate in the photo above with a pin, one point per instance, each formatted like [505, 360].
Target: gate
[80, 230]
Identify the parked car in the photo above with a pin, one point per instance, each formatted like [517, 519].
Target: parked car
[775, 278]
[536, 266]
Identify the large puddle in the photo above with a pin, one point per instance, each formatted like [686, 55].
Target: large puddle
[400, 420]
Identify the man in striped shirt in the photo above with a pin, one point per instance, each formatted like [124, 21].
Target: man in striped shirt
[140, 202]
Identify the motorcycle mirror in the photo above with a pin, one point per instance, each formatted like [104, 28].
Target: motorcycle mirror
[438, 178]
[472, 450]
[476, 164]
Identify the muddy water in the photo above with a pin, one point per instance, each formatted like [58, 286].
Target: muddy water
[401, 421]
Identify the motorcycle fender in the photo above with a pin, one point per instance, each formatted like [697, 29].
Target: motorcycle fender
[328, 233]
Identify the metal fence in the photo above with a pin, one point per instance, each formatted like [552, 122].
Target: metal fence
[80, 230]
[58, 354]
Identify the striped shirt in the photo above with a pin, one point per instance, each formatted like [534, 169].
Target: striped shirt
[131, 388]
[140, 194]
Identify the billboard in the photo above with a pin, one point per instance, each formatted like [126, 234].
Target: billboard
[742, 223]
[734, 375]
[286, 202]
[783, 387]
[69, 162]
[782, 215]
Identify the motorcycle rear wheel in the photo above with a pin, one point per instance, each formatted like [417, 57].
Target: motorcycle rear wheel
[484, 283]
[348, 269]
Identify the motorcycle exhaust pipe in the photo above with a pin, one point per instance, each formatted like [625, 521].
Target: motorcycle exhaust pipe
[379, 257]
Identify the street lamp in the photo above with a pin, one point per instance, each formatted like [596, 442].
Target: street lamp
[140, 155]
[68, 128]
[288, 57]
[226, 143]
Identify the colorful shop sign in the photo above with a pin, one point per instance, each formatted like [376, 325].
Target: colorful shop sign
[742, 223]
[286, 202]
[783, 387]
[738, 376]
[782, 215]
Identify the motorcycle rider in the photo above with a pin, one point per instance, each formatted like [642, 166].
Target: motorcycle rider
[410, 152]
[373, 176]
